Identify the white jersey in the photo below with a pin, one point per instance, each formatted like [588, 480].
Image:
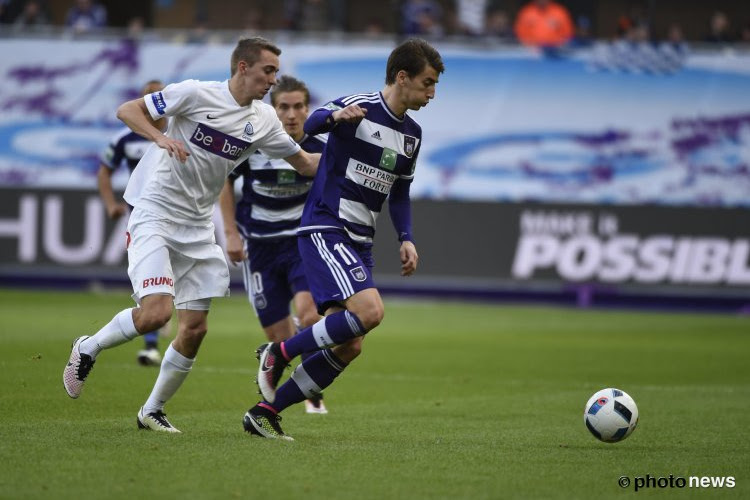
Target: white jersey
[217, 132]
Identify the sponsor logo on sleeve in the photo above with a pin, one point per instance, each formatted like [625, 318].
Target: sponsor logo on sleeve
[159, 103]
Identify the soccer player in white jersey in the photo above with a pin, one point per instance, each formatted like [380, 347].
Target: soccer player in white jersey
[172, 256]
[128, 147]
[371, 154]
[268, 216]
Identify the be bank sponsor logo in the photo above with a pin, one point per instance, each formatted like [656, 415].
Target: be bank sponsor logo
[218, 143]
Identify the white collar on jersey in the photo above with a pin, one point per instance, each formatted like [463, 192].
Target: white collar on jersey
[388, 110]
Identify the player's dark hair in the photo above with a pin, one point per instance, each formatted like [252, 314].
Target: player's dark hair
[249, 49]
[289, 84]
[412, 56]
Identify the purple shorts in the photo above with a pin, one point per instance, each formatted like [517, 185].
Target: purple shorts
[336, 267]
[273, 274]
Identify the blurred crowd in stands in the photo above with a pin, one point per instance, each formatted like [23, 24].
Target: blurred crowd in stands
[540, 23]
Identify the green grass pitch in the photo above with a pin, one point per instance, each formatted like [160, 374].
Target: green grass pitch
[449, 400]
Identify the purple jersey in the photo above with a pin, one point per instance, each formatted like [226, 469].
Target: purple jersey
[125, 145]
[267, 215]
[273, 194]
[363, 164]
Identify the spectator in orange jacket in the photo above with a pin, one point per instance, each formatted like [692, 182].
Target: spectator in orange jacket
[543, 23]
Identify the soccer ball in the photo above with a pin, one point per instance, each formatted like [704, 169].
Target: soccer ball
[610, 415]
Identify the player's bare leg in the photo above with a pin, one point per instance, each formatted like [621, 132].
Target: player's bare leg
[178, 361]
[150, 355]
[281, 330]
[191, 330]
[154, 312]
[348, 351]
[306, 312]
[368, 306]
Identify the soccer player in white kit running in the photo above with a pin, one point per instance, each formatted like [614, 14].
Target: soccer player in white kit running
[172, 255]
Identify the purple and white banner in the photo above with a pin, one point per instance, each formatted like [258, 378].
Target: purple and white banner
[506, 125]
[600, 166]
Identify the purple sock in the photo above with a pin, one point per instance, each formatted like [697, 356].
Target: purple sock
[314, 374]
[334, 329]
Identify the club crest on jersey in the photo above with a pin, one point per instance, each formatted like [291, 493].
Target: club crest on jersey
[410, 143]
[249, 129]
[260, 301]
[358, 274]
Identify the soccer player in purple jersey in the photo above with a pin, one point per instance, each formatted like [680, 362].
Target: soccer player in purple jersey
[268, 216]
[129, 147]
[371, 153]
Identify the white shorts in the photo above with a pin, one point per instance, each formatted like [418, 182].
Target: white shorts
[176, 259]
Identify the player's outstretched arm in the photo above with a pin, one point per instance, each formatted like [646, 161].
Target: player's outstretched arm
[303, 162]
[135, 115]
[235, 246]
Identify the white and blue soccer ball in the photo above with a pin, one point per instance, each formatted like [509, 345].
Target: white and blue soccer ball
[610, 415]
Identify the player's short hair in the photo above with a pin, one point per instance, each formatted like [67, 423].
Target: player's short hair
[289, 84]
[412, 56]
[146, 89]
[249, 49]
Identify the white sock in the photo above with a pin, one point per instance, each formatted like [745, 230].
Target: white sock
[174, 369]
[118, 331]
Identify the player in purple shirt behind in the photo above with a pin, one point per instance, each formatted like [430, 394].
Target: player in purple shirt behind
[370, 156]
[268, 216]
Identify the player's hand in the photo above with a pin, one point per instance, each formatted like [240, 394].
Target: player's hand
[116, 210]
[352, 114]
[173, 147]
[236, 248]
[409, 258]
